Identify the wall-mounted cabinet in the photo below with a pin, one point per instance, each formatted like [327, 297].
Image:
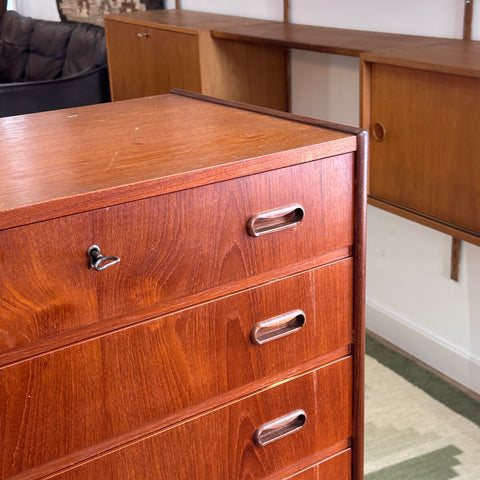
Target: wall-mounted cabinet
[422, 108]
[150, 53]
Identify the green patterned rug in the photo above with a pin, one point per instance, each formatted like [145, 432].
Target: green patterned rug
[417, 426]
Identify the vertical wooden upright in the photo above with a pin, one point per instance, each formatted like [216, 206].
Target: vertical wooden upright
[288, 59]
[467, 20]
[456, 242]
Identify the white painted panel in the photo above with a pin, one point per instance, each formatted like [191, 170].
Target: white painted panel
[430, 349]
[42, 9]
[409, 274]
[325, 86]
[265, 9]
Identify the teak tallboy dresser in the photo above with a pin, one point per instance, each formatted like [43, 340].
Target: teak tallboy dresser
[182, 293]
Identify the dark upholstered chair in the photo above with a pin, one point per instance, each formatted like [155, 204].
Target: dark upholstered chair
[46, 65]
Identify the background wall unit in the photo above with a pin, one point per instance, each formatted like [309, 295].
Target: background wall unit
[152, 52]
[422, 108]
[405, 286]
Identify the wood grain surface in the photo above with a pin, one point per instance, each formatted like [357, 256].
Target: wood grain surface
[147, 61]
[335, 468]
[107, 154]
[320, 39]
[456, 57]
[187, 21]
[147, 369]
[428, 161]
[164, 365]
[223, 438]
[170, 247]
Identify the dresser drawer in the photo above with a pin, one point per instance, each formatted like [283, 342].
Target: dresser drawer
[83, 394]
[221, 444]
[170, 247]
[338, 467]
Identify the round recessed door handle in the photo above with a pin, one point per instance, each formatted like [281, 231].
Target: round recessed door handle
[379, 132]
[99, 262]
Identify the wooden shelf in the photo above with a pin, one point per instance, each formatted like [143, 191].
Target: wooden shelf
[245, 59]
[186, 20]
[320, 39]
[457, 57]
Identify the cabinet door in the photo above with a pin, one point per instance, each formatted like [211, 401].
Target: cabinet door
[147, 61]
[336, 468]
[424, 148]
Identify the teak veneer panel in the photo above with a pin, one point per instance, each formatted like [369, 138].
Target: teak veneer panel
[124, 155]
[97, 380]
[337, 467]
[320, 39]
[163, 255]
[186, 21]
[183, 351]
[225, 444]
[161, 51]
[427, 164]
[155, 51]
[456, 57]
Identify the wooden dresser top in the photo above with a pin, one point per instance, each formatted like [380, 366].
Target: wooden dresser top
[67, 161]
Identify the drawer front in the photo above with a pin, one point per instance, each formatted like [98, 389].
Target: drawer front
[221, 444]
[170, 247]
[110, 385]
[338, 467]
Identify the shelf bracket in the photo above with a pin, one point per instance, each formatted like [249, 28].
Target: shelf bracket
[455, 259]
[286, 11]
[467, 20]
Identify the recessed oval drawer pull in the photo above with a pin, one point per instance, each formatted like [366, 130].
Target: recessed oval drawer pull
[279, 428]
[277, 327]
[275, 220]
[97, 261]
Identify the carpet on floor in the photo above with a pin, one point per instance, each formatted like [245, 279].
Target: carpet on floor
[417, 425]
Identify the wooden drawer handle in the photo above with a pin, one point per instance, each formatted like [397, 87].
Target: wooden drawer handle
[277, 327]
[97, 261]
[275, 220]
[279, 428]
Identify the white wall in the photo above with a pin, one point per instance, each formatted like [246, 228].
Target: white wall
[411, 300]
[43, 9]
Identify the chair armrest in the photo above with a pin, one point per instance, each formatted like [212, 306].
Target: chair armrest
[84, 88]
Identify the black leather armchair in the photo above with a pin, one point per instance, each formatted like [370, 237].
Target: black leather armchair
[47, 65]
